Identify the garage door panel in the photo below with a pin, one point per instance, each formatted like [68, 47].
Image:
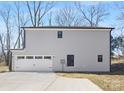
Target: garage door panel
[23, 65]
[33, 64]
[43, 65]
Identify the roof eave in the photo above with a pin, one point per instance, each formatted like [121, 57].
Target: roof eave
[65, 27]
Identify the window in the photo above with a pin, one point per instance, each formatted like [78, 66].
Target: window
[38, 57]
[60, 33]
[70, 60]
[20, 57]
[100, 58]
[29, 57]
[47, 57]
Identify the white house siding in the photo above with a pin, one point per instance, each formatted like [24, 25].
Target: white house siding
[84, 44]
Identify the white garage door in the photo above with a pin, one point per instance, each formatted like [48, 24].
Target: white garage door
[33, 63]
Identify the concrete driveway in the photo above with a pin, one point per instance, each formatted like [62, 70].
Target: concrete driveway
[36, 81]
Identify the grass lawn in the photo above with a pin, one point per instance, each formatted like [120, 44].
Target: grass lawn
[110, 81]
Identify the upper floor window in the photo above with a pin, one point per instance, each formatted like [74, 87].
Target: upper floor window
[60, 34]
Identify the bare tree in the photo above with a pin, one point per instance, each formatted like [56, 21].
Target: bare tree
[120, 7]
[2, 44]
[67, 16]
[93, 14]
[50, 19]
[37, 10]
[20, 20]
[120, 26]
[17, 7]
[6, 19]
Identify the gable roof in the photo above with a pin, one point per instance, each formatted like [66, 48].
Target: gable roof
[71, 27]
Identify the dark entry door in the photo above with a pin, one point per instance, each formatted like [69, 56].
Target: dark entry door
[70, 60]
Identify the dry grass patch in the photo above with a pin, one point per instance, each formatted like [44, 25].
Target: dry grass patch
[3, 68]
[106, 82]
[110, 81]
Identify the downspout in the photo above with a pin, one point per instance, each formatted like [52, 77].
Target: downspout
[24, 43]
[110, 47]
[10, 61]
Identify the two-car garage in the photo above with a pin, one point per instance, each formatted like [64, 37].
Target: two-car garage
[32, 63]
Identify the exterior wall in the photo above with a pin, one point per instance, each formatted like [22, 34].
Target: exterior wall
[84, 44]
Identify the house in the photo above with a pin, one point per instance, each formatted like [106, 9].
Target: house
[71, 49]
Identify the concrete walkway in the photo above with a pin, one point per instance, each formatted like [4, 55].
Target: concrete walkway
[34, 81]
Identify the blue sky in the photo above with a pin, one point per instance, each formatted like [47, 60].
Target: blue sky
[110, 21]
[111, 7]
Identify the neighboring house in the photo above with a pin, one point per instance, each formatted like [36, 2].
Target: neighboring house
[80, 49]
